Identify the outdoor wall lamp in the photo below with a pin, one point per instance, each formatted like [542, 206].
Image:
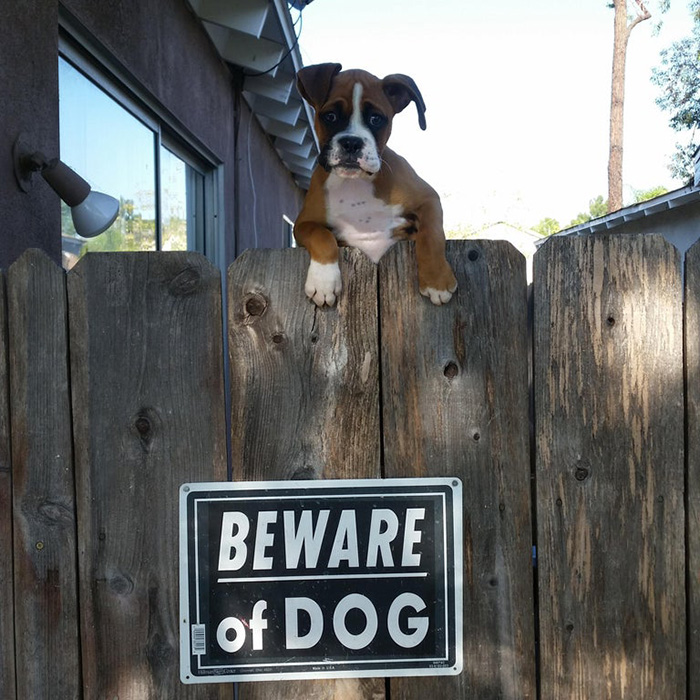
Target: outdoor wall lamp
[92, 212]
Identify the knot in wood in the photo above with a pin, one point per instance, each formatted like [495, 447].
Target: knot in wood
[581, 474]
[52, 512]
[121, 584]
[303, 473]
[255, 305]
[451, 370]
[186, 282]
[143, 426]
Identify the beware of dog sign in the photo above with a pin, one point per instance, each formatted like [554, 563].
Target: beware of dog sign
[284, 580]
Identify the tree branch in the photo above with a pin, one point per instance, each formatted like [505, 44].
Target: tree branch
[643, 12]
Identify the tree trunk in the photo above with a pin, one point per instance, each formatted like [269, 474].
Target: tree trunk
[617, 98]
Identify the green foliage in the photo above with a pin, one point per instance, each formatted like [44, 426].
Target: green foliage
[596, 207]
[644, 195]
[678, 78]
[129, 232]
[682, 165]
[460, 232]
[582, 218]
[547, 227]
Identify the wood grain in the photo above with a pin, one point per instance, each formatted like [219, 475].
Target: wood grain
[692, 342]
[45, 567]
[609, 416]
[455, 387]
[305, 396]
[7, 638]
[148, 405]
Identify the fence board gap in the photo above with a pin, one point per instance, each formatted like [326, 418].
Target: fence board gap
[455, 403]
[304, 396]
[7, 636]
[45, 569]
[148, 406]
[609, 436]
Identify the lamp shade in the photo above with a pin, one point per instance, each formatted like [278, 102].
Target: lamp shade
[95, 214]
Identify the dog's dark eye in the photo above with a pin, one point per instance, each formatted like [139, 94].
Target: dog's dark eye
[376, 120]
[329, 117]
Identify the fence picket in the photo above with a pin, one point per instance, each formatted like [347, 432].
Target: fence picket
[609, 435]
[148, 406]
[7, 639]
[46, 592]
[692, 340]
[455, 387]
[305, 396]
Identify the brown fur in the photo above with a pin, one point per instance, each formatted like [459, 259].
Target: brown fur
[395, 183]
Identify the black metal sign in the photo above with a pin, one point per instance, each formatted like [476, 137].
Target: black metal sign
[314, 579]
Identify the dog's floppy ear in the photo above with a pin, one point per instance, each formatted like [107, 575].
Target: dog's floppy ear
[314, 82]
[400, 90]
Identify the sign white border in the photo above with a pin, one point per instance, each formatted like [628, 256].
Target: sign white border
[454, 563]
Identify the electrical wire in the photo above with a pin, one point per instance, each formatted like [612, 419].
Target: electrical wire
[284, 58]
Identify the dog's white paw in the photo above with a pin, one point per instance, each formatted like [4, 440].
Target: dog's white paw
[437, 296]
[323, 284]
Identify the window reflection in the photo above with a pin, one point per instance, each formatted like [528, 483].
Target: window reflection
[181, 201]
[114, 152]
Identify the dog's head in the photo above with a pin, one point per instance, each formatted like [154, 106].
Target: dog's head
[354, 110]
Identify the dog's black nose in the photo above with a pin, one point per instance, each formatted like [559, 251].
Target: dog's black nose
[352, 145]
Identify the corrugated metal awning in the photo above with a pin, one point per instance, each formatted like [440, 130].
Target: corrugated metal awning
[259, 36]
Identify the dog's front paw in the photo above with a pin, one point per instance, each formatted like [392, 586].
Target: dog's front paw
[441, 288]
[323, 283]
[438, 296]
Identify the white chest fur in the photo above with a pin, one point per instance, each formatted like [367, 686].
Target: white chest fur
[360, 219]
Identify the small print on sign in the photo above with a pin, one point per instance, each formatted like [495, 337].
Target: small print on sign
[320, 579]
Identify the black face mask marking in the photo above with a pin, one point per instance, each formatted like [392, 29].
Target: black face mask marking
[374, 120]
[334, 122]
[351, 143]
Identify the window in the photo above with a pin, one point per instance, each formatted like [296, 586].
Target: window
[166, 191]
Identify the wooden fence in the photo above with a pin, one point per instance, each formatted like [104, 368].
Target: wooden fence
[112, 394]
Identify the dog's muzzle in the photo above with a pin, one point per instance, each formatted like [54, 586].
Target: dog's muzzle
[350, 153]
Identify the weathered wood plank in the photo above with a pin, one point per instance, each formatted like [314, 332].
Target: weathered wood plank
[7, 639]
[305, 396]
[455, 403]
[45, 568]
[610, 481]
[148, 405]
[692, 341]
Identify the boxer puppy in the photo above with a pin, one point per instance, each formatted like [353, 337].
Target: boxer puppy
[362, 194]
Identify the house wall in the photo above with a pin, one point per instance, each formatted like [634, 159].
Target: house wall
[29, 105]
[680, 226]
[162, 45]
[260, 183]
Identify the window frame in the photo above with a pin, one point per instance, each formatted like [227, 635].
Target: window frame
[79, 49]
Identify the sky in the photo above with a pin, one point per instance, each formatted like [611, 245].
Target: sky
[517, 95]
